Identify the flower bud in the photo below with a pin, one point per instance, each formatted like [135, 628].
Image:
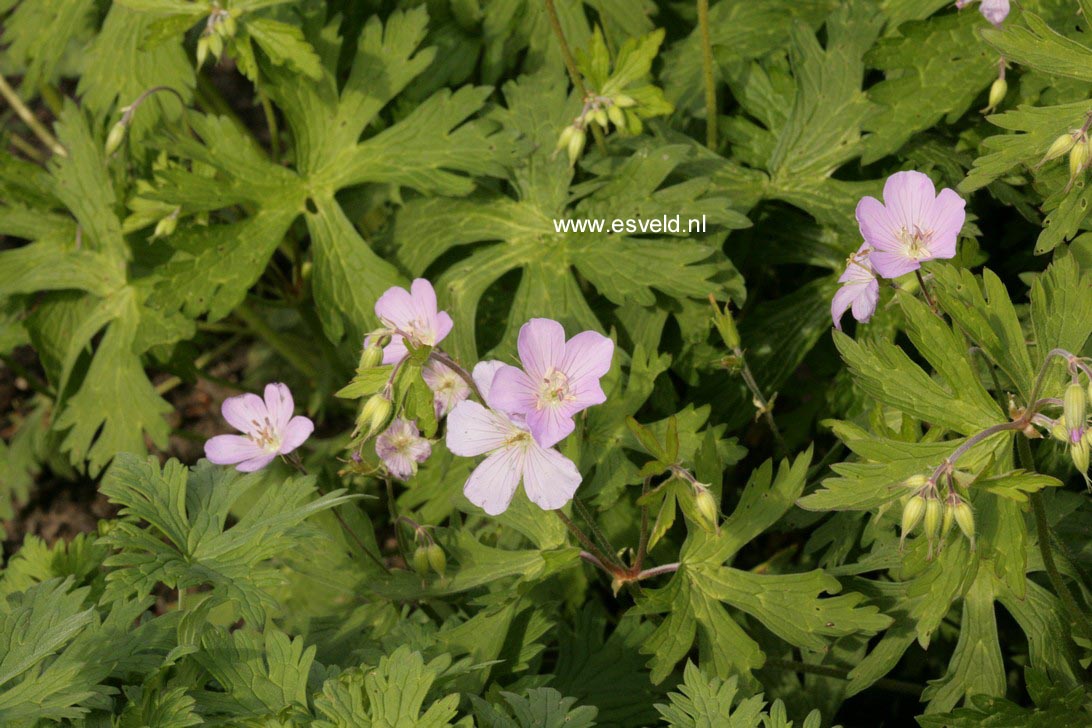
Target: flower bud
[998, 90]
[421, 561]
[167, 225]
[915, 481]
[372, 356]
[911, 515]
[1074, 406]
[115, 137]
[565, 137]
[373, 416]
[623, 101]
[964, 518]
[1058, 431]
[1078, 159]
[1078, 453]
[706, 506]
[202, 50]
[617, 116]
[216, 45]
[436, 559]
[227, 22]
[932, 517]
[576, 145]
[947, 520]
[1060, 146]
[600, 117]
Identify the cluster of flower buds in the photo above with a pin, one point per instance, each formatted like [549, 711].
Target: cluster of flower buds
[601, 110]
[219, 28]
[936, 515]
[1072, 427]
[1075, 143]
[428, 556]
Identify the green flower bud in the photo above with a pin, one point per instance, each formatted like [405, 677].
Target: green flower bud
[964, 518]
[421, 561]
[373, 416]
[911, 515]
[1088, 437]
[947, 520]
[916, 482]
[617, 116]
[167, 225]
[202, 50]
[1060, 146]
[372, 356]
[576, 145]
[623, 101]
[998, 90]
[600, 117]
[565, 137]
[228, 24]
[932, 517]
[1078, 159]
[706, 506]
[216, 45]
[1057, 431]
[1074, 406]
[436, 559]
[115, 137]
[1078, 453]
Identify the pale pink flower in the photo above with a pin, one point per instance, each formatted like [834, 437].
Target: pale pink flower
[268, 428]
[401, 448]
[448, 388]
[413, 314]
[549, 478]
[559, 378]
[860, 289]
[913, 224]
[994, 11]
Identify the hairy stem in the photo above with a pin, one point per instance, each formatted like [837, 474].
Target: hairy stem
[642, 544]
[586, 542]
[707, 74]
[29, 119]
[596, 532]
[895, 686]
[756, 392]
[925, 291]
[570, 66]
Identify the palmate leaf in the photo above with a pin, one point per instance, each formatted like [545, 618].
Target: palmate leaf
[521, 236]
[431, 149]
[789, 605]
[536, 708]
[186, 543]
[37, 34]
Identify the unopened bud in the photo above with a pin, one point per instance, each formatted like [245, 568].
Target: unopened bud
[372, 356]
[115, 137]
[726, 325]
[1074, 406]
[1078, 159]
[229, 25]
[964, 518]
[600, 117]
[421, 561]
[1078, 452]
[911, 515]
[932, 517]
[436, 559]
[576, 145]
[946, 521]
[565, 137]
[216, 45]
[617, 116]
[167, 225]
[915, 481]
[374, 414]
[706, 506]
[202, 50]
[1060, 146]
[998, 90]
[623, 101]
[1058, 432]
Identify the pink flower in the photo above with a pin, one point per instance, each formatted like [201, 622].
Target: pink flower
[912, 225]
[860, 289]
[412, 314]
[994, 11]
[448, 388]
[558, 378]
[549, 478]
[401, 448]
[268, 428]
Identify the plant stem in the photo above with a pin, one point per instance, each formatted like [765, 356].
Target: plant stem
[925, 291]
[642, 544]
[603, 540]
[29, 119]
[451, 364]
[707, 73]
[26, 147]
[1042, 528]
[895, 686]
[570, 65]
[756, 393]
[392, 508]
[271, 124]
[276, 341]
[657, 570]
[583, 539]
[970, 442]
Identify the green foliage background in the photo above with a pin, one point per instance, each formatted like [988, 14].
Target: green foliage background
[262, 202]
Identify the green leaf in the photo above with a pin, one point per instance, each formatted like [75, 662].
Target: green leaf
[285, 46]
[37, 34]
[704, 703]
[536, 708]
[1040, 47]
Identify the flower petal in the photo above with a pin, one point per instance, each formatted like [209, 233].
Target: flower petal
[945, 220]
[423, 296]
[842, 300]
[295, 433]
[279, 404]
[549, 478]
[909, 197]
[587, 354]
[493, 483]
[864, 305]
[243, 411]
[231, 449]
[395, 351]
[892, 265]
[483, 375]
[586, 393]
[473, 430]
[994, 11]
[877, 227]
[512, 391]
[395, 307]
[257, 463]
[443, 327]
[541, 346]
[550, 425]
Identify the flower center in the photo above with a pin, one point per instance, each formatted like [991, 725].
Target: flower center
[518, 437]
[916, 242]
[554, 389]
[265, 436]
